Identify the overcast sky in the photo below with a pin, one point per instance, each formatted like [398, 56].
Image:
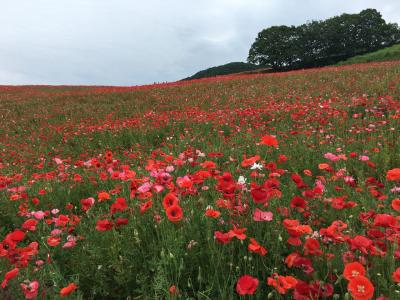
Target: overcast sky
[130, 42]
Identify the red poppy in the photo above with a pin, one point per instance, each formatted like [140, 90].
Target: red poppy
[319, 289]
[35, 201]
[269, 140]
[259, 193]
[68, 289]
[145, 206]
[208, 165]
[238, 233]
[324, 166]
[353, 269]
[299, 203]
[312, 246]
[296, 178]
[172, 290]
[53, 241]
[262, 216]
[246, 285]
[16, 236]
[184, 182]
[9, 275]
[295, 230]
[384, 220]
[121, 221]
[361, 243]
[393, 175]
[250, 161]
[291, 259]
[109, 155]
[361, 288]
[255, 247]
[282, 283]
[77, 178]
[103, 196]
[212, 213]
[87, 203]
[118, 206]
[169, 200]
[396, 204]
[30, 290]
[215, 154]
[62, 220]
[199, 176]
[282, 158]
[104, 225]
[174, 213]
[307, 172]
[223, 238]
[396, 275]
[30, 225]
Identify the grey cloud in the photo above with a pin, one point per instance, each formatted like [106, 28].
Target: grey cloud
[124, 42]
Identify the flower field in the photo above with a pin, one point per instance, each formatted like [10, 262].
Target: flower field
[277, 186]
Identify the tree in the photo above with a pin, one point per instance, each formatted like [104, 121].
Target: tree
[275, 47]
[319, 43]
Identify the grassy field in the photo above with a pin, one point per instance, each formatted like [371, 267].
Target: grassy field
[386, 54]
[278, 186]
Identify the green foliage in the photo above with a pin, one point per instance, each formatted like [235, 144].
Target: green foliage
[320, 43]
[276, 46]
[386, 54]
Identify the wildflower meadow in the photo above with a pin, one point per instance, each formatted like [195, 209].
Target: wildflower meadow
[274, 186]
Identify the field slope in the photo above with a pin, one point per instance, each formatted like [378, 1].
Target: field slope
[386, 54]
[274, 186]
[391, 53]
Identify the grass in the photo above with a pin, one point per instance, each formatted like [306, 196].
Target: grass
[386, 54]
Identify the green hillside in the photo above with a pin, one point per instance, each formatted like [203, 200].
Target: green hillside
[386, 54]
[230, 68]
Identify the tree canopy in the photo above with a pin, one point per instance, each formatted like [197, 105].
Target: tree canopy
[319, 43]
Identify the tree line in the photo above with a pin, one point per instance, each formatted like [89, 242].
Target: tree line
[320, 43]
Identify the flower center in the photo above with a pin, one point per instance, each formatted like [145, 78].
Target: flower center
[360, 288]
[354, 273]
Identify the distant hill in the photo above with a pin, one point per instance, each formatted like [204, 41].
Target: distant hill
[230, 68]
[385, 54]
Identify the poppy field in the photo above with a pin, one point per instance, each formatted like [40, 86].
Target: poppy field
[275, 186]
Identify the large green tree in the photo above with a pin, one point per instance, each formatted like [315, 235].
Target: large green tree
[319, 43]
[276, 47]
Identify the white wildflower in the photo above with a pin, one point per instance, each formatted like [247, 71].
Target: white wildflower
[256, 166]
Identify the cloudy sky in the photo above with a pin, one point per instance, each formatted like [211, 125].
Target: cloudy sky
[130, 42]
